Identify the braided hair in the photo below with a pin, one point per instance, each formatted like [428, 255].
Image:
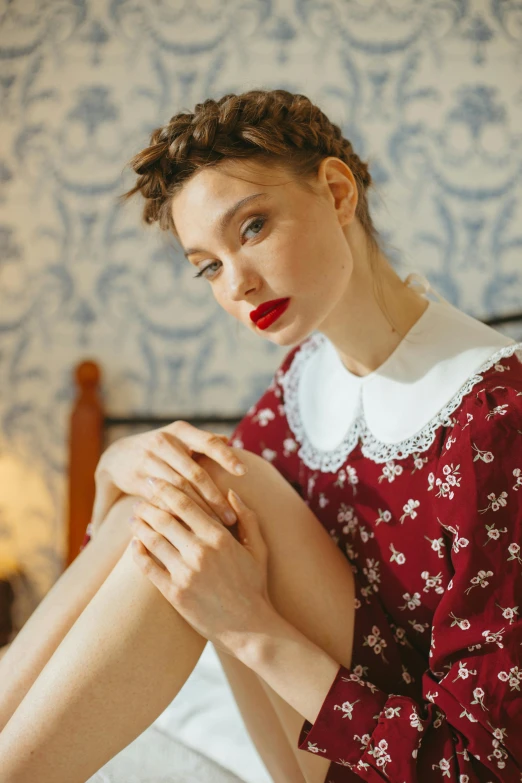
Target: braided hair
[275, 125]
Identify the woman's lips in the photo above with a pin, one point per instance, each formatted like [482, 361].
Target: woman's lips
[272, 315]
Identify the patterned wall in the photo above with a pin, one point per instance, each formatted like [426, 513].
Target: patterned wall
[429, 91]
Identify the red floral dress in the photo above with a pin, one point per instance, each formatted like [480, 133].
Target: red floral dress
[434, 540]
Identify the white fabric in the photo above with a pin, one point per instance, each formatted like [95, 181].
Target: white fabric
[396, 409]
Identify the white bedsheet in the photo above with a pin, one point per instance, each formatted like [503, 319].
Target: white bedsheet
[200, 737]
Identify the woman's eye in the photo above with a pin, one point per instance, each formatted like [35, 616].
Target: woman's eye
[257, 221]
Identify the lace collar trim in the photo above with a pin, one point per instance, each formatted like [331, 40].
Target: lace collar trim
[395, 411]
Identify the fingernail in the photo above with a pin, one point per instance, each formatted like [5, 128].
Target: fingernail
[240, 470]
[230, 517]
[237, 498]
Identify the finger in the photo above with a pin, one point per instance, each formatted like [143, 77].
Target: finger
[154, 466]
[157, 575]
[174, 452]
[185, 509]
[174, 531]
[167, 554]
[211, 444]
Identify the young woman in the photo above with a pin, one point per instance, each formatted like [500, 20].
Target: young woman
[366, 604]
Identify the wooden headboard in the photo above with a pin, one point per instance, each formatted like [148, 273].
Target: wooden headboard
[90, 426]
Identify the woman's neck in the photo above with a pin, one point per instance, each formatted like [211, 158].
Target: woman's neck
[373, 316]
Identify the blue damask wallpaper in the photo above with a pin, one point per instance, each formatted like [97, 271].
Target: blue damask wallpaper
[429, 91]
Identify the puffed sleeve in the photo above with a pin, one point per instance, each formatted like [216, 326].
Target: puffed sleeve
[468, 725]
[264, 430]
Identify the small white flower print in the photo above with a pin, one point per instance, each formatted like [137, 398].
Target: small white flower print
[431, 481]
[444, 766]
[419, 627]
[480, 579]
[432, 696]
[406, 676]
[380, 755]
[434, 582]
[514, 677]
[494, 636]
[458, 542]
[479, 694]
[514, 551]
[518, 475]
[364, 740]
[500, 410]
[390, 471]
[398, 557]
[418, 461]
[269, 454]
[264, 416]
[415, 721]
[409, 509]
[375, 641]
[384, 516]
[509, 613]
[493, 533]
[495, 503]
[484, 456]
[371, 571]
[312, 747]
[289, 446]
[392, 712]
[346, 708]
[437, 544]
[463, 623]
[452, 479]
[450, 442]
[469, 419]
[499, 754]
[346, 514]
[352, 478]
[469, 716]
[347, 475]
[323, 500]
[464, 672]
[411, 601]
[365, 535]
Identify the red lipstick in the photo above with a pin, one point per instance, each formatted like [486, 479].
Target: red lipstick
[268, 312]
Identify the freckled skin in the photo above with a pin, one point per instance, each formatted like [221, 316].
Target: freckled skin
[310, 248]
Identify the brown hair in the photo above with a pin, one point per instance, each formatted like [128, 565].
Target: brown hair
[274, 125]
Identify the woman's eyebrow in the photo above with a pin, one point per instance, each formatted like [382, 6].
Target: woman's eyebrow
[223, 221]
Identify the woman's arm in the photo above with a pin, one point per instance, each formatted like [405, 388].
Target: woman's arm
[46, 627]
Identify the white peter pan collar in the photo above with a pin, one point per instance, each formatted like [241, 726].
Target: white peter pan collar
[395, 410]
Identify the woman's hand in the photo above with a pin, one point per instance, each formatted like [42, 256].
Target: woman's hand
[165, 453]
[218, 584]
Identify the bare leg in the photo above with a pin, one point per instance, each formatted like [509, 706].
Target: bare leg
[117, 669]
[44, 630]
[55, 615]
[130, 652]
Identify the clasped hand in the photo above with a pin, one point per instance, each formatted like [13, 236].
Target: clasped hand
[217, 583]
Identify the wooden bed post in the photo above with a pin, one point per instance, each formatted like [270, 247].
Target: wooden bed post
[85, 448]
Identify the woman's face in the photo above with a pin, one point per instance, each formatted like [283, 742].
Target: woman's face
[285, 243]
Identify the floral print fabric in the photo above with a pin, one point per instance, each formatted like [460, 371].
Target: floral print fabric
[434, 540]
